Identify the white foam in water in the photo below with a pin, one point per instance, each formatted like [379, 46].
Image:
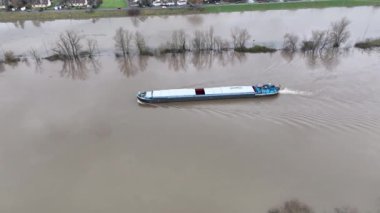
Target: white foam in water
[293, 92]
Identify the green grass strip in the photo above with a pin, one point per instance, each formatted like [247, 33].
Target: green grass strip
[368, 44]
[114, 4]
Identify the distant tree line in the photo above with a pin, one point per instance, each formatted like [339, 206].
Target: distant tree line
[72, 46]
[321, 41]
[296, 206]
[127, 43]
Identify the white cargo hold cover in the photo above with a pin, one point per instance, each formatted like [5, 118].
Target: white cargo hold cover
[229, 90]
[207, 91]
[173, 93]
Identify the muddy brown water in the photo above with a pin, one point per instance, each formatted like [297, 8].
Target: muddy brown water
[73, 138]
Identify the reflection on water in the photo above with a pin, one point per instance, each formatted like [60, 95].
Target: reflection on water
[137, 20]
[195, 20]
[78, 69]
[131, 65]
[328, 59]
[202, 60]
[20, 24]
[94, 20]
[288, 56]
[127, 66]
[37, 23]
[175, 62]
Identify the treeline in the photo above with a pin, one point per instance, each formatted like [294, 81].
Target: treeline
[321, 41]
[127, 43]
[72, 46]
[296, 206]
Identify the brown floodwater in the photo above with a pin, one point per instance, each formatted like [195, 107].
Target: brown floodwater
[74, 139]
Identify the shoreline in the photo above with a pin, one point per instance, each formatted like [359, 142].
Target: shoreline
[204, 9]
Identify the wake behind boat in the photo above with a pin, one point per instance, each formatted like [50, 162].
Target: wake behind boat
[214, 93]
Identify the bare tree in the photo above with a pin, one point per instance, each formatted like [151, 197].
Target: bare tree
[123, 40]
[179, 40]
[318, 42]
[177, 44]
[325, 44]
[92, 47]
[339, 32]
[240, 38]
[204, 40]
[290, 42]
[68, 45]
[140, 42]
[35, 55]
[210, 39]
[318, 38]
[220, 45]
[199, 41]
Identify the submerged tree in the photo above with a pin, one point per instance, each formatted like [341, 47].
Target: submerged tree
[220, 44]
[210, 39]
[198, 41]
[240, 38]
[204, 40]
[290, 42]
[177, 44]
[92, 47]
[179, 41]
[35, 56]
[339, 32]
[318, 42]
[141, 44]
[68, 45]
[123, 40]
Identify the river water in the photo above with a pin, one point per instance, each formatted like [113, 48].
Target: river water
[73, 138]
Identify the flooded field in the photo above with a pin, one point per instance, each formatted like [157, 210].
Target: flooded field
[73, 138]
